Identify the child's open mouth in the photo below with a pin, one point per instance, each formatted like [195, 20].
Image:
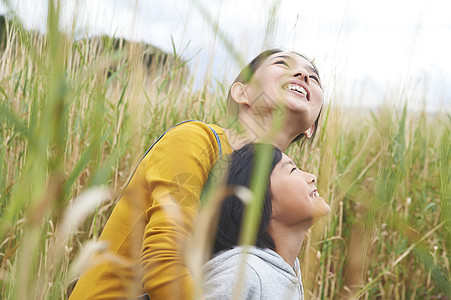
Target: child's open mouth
[314, 194]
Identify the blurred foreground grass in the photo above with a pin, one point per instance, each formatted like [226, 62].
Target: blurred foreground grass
[75, 117]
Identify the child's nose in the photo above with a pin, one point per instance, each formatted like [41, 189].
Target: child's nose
[311, 178]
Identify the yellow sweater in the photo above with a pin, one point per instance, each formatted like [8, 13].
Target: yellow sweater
[149, 224]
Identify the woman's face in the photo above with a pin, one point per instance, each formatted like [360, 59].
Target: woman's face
[289, 79]
[295, 199]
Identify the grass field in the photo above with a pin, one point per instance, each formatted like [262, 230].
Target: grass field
[75, 117]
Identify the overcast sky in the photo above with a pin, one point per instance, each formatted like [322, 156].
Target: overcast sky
[365, 49]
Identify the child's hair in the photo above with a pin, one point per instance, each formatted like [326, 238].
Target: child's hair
[240, 171]
[246, 75]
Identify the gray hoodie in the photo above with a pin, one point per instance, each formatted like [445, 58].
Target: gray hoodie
[266, 276]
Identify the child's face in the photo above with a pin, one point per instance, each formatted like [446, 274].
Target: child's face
[295, 199]
[286, 79]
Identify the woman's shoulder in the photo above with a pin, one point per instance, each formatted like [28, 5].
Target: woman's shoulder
[195, 127]
[193, 133]
[193, 137]
[186, 147]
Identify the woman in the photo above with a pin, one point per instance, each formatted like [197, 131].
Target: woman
[150, 223]
[291, 204]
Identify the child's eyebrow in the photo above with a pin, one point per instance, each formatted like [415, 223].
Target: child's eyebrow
[288, 162]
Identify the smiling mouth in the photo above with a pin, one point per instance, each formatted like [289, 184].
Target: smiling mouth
[298, 89]
[314, 194]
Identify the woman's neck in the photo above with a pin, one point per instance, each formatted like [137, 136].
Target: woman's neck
[253, 130]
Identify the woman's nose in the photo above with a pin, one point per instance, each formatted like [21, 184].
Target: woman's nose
[302, 74]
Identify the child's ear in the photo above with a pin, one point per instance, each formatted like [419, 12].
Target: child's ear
[238, 93]
[309, 132]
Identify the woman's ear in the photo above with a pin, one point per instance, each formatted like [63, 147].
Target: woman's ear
[238, 93]
[309, 132]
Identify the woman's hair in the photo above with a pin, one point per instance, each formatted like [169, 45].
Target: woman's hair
[245, 77]
[240, 171]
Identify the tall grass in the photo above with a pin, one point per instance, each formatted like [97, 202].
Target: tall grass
[77, 115]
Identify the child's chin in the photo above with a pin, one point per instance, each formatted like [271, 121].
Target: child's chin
[321, 213]
[326, 209]
[323, 209]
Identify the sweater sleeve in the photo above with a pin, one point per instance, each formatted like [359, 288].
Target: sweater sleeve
[176, 170]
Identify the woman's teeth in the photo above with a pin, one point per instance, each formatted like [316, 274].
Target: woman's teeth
[296, 88]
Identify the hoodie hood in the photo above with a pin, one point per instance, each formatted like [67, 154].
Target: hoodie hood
[266, 275]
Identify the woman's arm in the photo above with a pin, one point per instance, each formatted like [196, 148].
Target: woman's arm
[176, 170]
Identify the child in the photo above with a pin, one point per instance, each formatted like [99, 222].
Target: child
[290, 206]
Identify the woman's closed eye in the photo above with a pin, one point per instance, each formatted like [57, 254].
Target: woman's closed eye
[314, 77]
[281, 62]
[293, 169]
